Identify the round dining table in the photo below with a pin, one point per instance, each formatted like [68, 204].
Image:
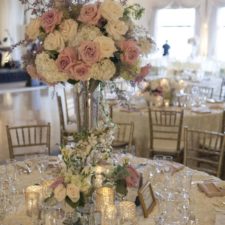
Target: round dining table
[209, 118]
[205, 210]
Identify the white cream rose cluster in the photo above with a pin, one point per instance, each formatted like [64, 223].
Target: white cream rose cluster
[103, 70]
[68, 30]
[86, 33]
[47, 68]
[117, 29]
[107, 46]
[54, 41]
[33, 29]
[111, 10]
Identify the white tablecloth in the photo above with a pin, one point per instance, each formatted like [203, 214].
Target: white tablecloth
[202, 207]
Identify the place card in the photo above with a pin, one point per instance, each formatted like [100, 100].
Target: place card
[147, 199]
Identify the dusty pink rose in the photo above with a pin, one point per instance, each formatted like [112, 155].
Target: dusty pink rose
[58, 181]
[90, 14]
[144, 72]
[66, 58]
[133, 179]
[89, 52]
[50, 19]
[79, 71]
[130, 51]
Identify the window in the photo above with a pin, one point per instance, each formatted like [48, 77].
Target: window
[172, 25]
[220, 34]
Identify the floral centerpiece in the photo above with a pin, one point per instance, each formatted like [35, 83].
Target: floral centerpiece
[82, 42]
[86, 44]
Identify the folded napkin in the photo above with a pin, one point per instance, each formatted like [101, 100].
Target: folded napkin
[211, 190]
[220, 218]
[174, 167]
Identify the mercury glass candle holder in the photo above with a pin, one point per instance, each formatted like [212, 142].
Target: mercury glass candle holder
[104, 196]
[127, 211]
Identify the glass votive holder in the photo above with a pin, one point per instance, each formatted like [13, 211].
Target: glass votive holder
[104, 196]
[32, 200]
[127, 211]
[109, 215]
[166, 102]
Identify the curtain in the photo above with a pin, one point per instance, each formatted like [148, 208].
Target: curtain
[212, 9]
[11, 24]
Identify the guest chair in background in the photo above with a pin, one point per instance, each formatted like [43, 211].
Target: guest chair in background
[28, 140]
[165, 133]
[197, 156]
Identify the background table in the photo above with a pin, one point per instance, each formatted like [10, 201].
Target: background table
[205, 121]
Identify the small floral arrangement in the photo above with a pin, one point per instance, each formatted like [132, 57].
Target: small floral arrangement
[164, 87]
[80, 42]
[75, 182]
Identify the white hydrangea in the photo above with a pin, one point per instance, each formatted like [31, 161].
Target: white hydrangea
[47, 68]
[103, 70]
[86, 33]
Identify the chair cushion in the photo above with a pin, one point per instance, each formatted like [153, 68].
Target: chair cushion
[166, 146]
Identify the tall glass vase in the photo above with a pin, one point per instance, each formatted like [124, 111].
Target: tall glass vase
[86, 106]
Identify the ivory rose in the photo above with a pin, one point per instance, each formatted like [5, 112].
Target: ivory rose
[54, 41]
[68, 29]
[60, 193]
[130, 51]
[89, 14]
[116, 29]
[73, 192]
[33, 28]
[111, 10]
[79, 71]
[66, 58]
[89, 52]
[107, 46]
[50, 19]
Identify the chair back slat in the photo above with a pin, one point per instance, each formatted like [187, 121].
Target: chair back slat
[27, 136]
[204, 150]
[124, 133]
[165, 125]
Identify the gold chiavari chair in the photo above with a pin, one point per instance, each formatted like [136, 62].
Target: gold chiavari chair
[199, 157]
[28, 140]
[66, 132]
[124, 136]
[165, 132]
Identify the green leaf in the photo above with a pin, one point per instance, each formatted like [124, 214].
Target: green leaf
[73, 82]
[121, 187]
